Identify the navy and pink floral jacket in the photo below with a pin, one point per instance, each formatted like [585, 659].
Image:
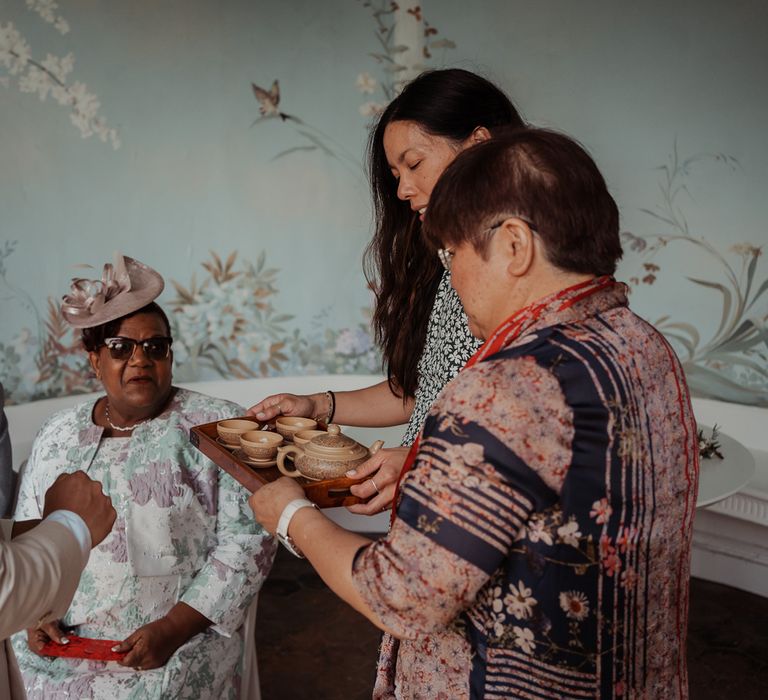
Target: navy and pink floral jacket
[542, 542]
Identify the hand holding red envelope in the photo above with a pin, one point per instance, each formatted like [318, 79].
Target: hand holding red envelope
[84, 648]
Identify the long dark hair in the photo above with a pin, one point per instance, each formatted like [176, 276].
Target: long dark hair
[400, 267]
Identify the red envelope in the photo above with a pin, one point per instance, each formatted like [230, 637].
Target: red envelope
[84, 648]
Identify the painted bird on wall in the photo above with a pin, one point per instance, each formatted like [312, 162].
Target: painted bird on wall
[269, 101]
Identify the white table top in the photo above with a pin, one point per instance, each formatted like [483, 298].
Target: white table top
[720, 478]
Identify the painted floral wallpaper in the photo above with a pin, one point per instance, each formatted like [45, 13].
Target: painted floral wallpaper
[732, 362]
[224, 144]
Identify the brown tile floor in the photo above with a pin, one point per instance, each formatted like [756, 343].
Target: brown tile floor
[727, 643]
[313, 646]
[310, 644]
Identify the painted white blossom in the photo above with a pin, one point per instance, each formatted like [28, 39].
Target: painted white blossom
[60, 94]
[46, 9]
[60, 68]
[14, 50]
[85, 105]
[371, 109]
[105, 134]
[366, 83]
[35, 81]
[49, 77]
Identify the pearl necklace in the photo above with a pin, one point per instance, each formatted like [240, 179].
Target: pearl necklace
[121, 428]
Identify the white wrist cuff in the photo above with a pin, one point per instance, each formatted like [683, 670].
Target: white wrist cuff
[77, 527]
[285, 521]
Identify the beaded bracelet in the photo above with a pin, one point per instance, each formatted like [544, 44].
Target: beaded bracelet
[331, 408]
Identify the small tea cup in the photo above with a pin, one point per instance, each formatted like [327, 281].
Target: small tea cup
[302, 437]
[230, 430]
[288, 426]
[260, 444]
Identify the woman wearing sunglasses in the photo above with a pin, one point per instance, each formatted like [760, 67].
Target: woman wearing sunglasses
[173, 580]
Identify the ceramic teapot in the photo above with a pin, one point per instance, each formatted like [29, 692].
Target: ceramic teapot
[326, 456]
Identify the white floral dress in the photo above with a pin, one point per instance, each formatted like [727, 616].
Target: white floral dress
[184, 532]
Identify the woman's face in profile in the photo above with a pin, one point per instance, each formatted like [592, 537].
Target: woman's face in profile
[417, 159]
[139, 382]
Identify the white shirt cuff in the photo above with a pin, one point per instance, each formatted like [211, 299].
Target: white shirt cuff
[78, 528]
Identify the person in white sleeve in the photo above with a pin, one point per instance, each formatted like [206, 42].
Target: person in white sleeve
[41, 562]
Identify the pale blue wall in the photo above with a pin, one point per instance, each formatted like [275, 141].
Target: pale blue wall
[191, 174]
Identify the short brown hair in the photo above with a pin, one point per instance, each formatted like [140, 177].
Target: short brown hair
[542, 176]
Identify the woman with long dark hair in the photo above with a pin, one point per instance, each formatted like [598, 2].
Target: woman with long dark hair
[418, 320]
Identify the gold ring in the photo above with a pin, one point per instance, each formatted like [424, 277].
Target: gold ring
[374, 485]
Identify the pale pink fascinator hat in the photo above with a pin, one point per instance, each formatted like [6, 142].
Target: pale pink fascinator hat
[125, 286]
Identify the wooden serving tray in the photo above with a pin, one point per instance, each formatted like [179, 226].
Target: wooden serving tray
[327, 494]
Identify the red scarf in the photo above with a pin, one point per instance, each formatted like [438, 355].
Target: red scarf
[509, 331]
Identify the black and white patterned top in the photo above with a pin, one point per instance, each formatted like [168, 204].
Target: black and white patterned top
[448, 346]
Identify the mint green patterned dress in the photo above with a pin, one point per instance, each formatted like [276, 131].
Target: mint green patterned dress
[184, 532]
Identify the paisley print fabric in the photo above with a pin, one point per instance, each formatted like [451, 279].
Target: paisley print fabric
[542, 542]
[184, 532]
[448, 346]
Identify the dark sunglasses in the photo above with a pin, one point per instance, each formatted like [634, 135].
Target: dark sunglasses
[155, 349]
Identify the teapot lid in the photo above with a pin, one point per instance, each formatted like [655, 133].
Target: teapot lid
[334, 445]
